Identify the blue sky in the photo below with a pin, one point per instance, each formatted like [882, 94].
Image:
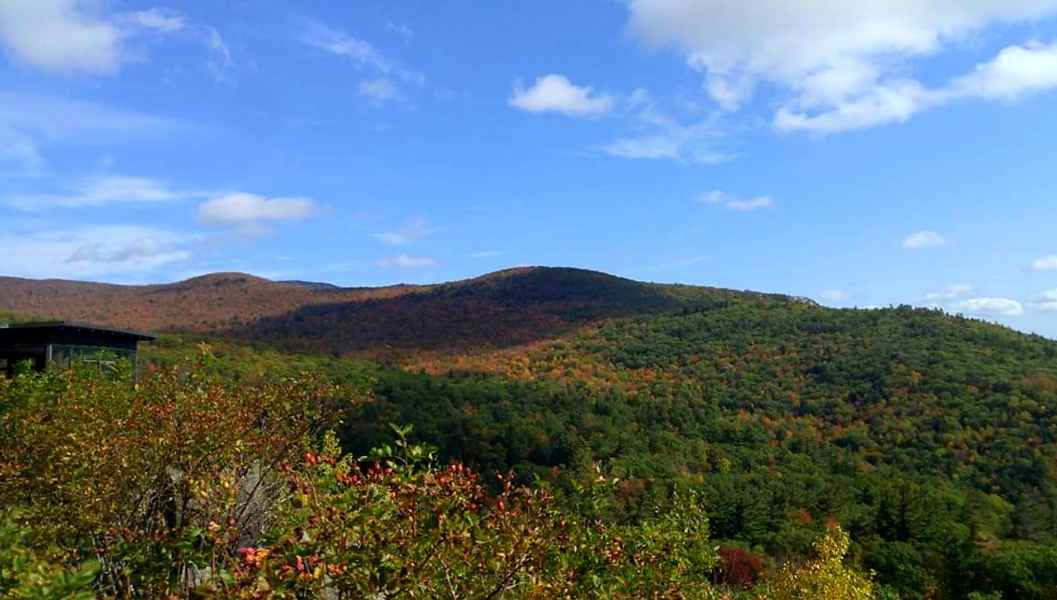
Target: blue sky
[901, 152]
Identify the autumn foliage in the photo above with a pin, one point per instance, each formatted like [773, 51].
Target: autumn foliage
[738, 567]
[181, 484]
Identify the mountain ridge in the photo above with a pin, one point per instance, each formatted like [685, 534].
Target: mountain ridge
[550, 299]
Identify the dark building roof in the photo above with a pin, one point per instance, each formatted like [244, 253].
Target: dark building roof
[69, 328]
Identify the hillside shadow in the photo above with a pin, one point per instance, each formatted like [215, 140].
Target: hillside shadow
[499, 311]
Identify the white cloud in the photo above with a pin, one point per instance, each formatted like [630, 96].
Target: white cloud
[1045, 263]
[843, 64]
[404, 261]
[1016, 71]
[248, 213]
[59, 35]
[894, 102]
[1045, 302]
[413, 232]
[75, 36]
[923, 239]
[718, 198]
[555, 93]
[950, 293]
[101, 191]
[87, 252]
[239, 207]
[991, 307]
[487, 254]
[379, 91]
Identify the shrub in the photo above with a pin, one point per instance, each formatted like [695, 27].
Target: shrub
[738, 567]
[161, 481]
[825, 576]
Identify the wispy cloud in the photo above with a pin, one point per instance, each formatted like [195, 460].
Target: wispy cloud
[361, 53]
[94, 251]
[414, 231]
[162, 20]
[219, 63]
[487, 254]
[388, 80]
[101, 191]
[923, 239]
[380, 91]
[649, 133]
[718, 198]
[656, 135]
[674, 145]
[405, 261]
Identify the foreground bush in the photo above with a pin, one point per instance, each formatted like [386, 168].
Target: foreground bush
[159, 481]
[183, 485]
[397, 525]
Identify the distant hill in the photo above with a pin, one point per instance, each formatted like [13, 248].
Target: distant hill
[500, 309]
[209, 303]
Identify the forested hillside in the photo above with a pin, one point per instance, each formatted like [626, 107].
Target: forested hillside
[931, 439]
